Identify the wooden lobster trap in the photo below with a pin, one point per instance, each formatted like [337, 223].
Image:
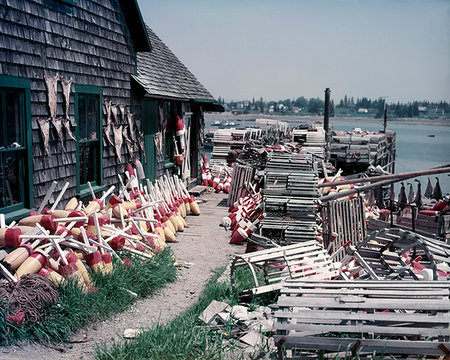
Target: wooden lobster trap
[269, 267]
[397, 254]
[386, 317]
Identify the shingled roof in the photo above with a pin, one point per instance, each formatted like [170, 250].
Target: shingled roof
[161, 74]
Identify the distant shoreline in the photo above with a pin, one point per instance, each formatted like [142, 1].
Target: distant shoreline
[227, 116]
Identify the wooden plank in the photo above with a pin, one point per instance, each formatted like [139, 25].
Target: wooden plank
[381, 346]
[320, 316]
[364, 328]
[364, 303]
[370, 283]
[388, 293]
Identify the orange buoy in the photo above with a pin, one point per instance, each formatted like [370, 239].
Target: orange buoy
[10, 237]
[51, 275]
[72, 258]
[195, 209]
[93, 206]
[15, 258]
[72, 204]
[95, 262]
[32, 264]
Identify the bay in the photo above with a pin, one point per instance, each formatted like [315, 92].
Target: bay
[415, 149]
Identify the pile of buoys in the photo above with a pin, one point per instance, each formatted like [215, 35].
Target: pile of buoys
[245, 215]
[220, 181]
[336, 188]
[79, 239]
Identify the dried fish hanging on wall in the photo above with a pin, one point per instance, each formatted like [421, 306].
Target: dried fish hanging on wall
[122, 112]
[44, 126]
[107, 128]
[57, 123]
[114, 114]
[128, 141]
[131, 126]
[118, 140]
[66, 86]
[51, 84]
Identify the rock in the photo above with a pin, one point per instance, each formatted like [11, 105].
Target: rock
[131, 333]
[252, 338]
[264, 310]
[212, 310]
[254, 315]
[224, 317]
[239, 308]
[262, 325]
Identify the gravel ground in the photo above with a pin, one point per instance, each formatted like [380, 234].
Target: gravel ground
[201, 248]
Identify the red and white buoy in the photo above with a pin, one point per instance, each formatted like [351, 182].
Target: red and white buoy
[180, 131]
[216, 180]
[242, 234]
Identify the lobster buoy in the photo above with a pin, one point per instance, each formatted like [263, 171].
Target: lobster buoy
[180, 131]
[195, 209]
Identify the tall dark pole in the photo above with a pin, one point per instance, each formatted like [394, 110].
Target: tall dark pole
[385, 117]
[326, 119]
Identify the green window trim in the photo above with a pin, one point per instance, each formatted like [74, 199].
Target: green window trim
[81, 89]
[13, 212]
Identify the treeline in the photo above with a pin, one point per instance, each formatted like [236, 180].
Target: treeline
[347, 106]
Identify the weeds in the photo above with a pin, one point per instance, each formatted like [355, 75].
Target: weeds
[182, 338]
[185, 337]
[76, 309]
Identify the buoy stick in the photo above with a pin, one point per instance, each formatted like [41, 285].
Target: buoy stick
[140, 233]
[86, 239]
[58, 199]
[121, 216]
[123, 191]
[58, 248]
[12, 224]
[137, 252]
[91, 190]
[143, 219]
[7, 274]
[71, 219]
[97, 228]
[148, 205]
[106, 194]
[47, 196]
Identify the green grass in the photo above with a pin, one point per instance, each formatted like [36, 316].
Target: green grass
[185, 337]
[76, 309]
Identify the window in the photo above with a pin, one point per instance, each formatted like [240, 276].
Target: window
[88, 100]
[16, 187]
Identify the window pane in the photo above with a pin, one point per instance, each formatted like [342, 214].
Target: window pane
[14, 118]
[11, 178]
[88, 162]
[82, 110]
[92, 117]
[88, 116]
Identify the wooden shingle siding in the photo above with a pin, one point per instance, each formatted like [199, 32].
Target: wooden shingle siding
[89, 42]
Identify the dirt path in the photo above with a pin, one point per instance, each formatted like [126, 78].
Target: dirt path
[201, 248]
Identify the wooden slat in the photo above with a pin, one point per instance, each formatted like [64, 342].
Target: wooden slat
[380, 346]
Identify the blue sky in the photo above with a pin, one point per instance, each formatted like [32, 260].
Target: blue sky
[285, 48]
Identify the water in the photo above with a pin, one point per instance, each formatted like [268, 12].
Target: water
[415, 149]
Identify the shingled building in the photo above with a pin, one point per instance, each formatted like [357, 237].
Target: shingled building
[111, 91]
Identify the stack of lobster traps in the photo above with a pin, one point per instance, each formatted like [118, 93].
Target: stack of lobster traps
[289, 199]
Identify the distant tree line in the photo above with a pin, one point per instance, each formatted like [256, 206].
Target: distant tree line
[347, 106]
